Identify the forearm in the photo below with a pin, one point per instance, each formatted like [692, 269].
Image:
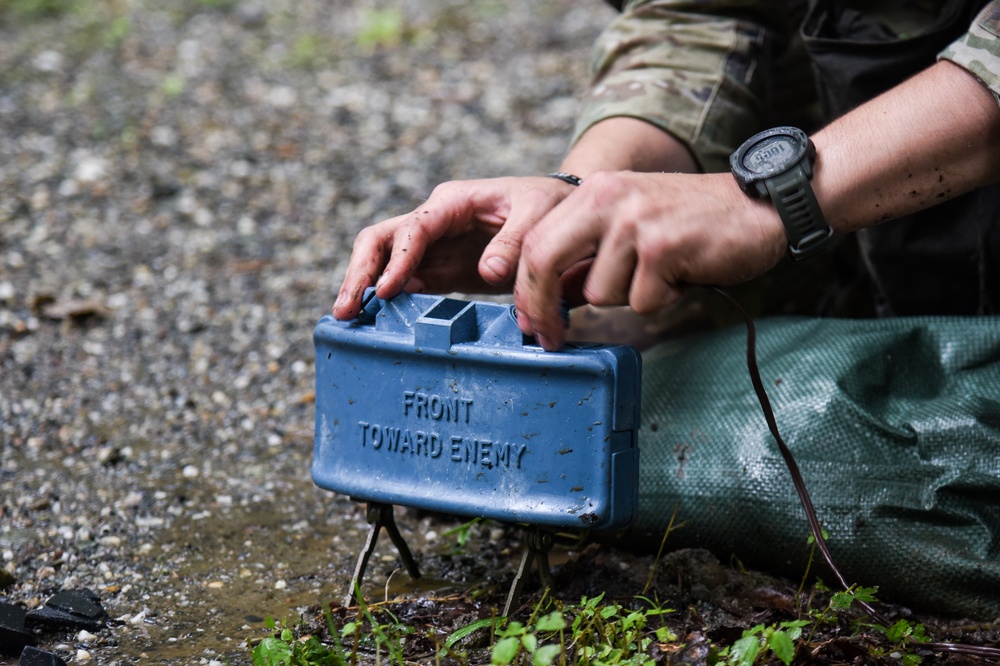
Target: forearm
[930, 139]
[627, 144]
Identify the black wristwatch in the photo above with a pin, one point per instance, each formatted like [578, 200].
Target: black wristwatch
[777, 165]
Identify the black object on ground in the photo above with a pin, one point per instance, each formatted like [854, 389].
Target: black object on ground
[32, 656]
[13, 633]
[70, 609]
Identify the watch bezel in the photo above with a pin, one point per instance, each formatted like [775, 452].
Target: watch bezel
[786, 184]
[751, 181]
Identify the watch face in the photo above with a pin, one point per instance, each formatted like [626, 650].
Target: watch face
[772, 154]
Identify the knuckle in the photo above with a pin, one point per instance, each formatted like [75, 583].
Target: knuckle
[365, 237]
[444, 191]
[507, 242]
[644, 305]
[535, 259]
[605, 186]
[599, 295]
[413, 233]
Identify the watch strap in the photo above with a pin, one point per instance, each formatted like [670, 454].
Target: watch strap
[795, 201]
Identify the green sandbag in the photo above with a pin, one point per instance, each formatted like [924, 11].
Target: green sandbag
[895, 424]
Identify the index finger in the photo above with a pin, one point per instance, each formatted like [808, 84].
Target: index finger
[368, 258]
[389, 253]
[566, 236]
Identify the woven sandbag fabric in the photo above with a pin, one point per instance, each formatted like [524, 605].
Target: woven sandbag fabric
[895, 424]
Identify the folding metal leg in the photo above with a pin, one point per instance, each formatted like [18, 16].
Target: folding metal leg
[538, 543]
[379, 515]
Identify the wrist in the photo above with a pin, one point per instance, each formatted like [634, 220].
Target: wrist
[776, 165]
[622, 143]
[762, 221]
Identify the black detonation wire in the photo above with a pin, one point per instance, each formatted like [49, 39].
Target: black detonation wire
[803, 492]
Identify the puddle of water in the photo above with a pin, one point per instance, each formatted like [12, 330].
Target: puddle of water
[221, 577]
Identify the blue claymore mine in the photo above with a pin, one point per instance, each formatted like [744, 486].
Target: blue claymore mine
[442, 404]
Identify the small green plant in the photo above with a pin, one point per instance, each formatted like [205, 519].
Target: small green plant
[901, 635]
[516, 637]
[173, 85]
[383, 28]
[841, 602]
[610, 634]
[592, 633]
[462, 533]
[306, 51]
[117, 30]
[759, 641]
[389, 636]
[285, 650]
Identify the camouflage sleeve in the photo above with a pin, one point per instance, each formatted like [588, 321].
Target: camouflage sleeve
[978, 50]
[689, 67]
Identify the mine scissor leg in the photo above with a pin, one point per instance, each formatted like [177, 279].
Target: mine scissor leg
[379, 515]
[538, 543]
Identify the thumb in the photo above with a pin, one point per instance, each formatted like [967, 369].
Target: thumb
[498, 264]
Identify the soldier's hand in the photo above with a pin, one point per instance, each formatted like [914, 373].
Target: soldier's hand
[649, 235]
[466, 237]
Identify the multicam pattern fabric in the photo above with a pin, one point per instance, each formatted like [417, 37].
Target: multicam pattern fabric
[713, 72]
[979, 49]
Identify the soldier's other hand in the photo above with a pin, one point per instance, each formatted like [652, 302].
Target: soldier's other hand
[466, 237]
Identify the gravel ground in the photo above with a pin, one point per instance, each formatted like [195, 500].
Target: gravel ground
[179, 186]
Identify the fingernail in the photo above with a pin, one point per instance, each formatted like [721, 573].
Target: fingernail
[381, 280]
[499, 266]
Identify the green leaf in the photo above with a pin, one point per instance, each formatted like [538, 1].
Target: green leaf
[795, 627]
[461, 633]
[635, 618]
[530, 642]
[898, 631]
[841, 600]
[381, 27]
[545, 655]
[272, 652]
[812, 539]
[505, 650]
[782, 646]
[866, 594]
[919, 634]
[554, 621]
[665, 635]
[173, 85]
[744, 651]
[513, 629]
